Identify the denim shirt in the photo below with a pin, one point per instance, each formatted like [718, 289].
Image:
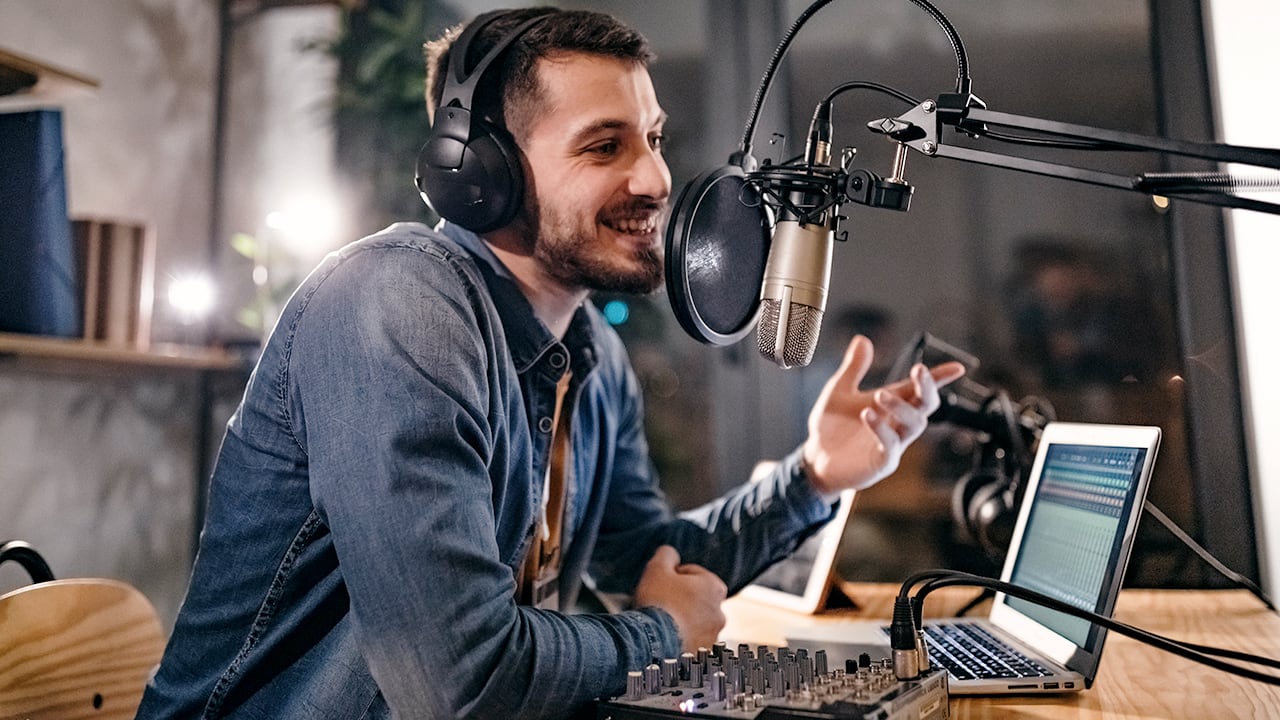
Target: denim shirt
[379, 484]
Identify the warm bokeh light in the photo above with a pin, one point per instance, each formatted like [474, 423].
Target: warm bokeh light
[306, 226]
[192, 296]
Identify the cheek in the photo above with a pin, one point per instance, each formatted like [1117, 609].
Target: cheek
[573, 195]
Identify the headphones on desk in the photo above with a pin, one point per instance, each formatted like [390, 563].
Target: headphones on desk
[469, 169]
[984, 503]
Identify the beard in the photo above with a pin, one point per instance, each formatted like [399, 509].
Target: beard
[572, 256]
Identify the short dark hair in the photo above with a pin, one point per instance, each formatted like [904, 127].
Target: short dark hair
[510, 101]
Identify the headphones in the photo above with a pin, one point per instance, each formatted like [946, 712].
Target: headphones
[984, 503]
[469, 169]
[982, 507]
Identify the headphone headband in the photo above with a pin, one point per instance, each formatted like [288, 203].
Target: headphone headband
[460, 85]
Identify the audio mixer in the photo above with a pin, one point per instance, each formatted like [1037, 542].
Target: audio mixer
[766, 684]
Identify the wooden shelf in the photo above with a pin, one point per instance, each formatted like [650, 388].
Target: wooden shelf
[28, 83]
[161, 355]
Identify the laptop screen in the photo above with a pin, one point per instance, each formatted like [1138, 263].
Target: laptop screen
[1073, 543]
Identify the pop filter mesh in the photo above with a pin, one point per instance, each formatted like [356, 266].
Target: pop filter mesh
[717, 246]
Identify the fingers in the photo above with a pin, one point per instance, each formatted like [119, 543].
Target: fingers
[926, 389]
[690, 593]
[856, 363]
[947, 373]
[667, 558]
[908, 405]
[906, 420]
[884, 432]
[711, 584]
[921, 386]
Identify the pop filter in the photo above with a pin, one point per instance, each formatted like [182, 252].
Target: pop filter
[717, 245]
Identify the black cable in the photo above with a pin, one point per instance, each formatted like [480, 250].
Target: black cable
[904, 592]
[867, 85]
[1204, 555]
[1054, 604]
[1047, 142]
[1199, 654]
[986, 594]
[748, 136]
[1169, 525]
[963, 82]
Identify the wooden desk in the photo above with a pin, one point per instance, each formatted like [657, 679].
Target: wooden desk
[1134, 680]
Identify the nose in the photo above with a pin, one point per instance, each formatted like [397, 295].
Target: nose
[650, 176]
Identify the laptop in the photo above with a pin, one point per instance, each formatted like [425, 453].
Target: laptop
[1072, 540]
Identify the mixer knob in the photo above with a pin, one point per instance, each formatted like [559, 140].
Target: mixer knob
[777, 683]
[652, 678]
[635, 685]
[670, 673]
[820, 662]
[717, 685]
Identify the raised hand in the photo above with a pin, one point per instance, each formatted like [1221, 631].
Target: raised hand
[856, 437]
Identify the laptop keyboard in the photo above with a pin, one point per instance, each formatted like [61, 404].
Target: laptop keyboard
[968, 651]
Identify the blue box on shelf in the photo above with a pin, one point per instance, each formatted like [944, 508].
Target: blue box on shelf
[38, 278]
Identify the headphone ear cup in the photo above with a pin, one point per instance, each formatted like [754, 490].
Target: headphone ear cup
[991, 518]
[484, 190]
[962, 495]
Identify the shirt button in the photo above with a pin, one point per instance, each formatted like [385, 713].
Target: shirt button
[557, 360]
[545, 424]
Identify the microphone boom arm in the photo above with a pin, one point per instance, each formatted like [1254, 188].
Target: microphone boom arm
[921, 129]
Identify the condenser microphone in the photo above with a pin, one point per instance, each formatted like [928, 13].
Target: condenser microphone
[793, 294]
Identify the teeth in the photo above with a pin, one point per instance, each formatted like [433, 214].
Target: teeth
[634, 225]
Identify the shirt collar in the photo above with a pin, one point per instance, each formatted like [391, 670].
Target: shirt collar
[528, 338]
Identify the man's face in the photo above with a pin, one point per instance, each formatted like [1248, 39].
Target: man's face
[598, 185]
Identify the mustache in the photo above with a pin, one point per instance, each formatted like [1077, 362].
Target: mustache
[634, 207]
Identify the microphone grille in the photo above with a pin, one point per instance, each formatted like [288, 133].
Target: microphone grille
[803, 324]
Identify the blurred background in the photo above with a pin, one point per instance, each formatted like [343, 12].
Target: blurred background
[251, 137]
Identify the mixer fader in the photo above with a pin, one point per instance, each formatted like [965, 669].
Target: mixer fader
[763, 683]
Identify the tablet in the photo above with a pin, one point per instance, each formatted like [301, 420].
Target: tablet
[802, 581]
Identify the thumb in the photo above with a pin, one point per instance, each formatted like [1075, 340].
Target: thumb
[665, 557]
[856, 363]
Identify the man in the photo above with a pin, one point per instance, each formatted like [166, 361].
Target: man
[442, 440]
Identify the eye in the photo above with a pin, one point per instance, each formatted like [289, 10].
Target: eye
[604, 149]
[658, 143]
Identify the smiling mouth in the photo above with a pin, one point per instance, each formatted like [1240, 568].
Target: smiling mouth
[633, 226]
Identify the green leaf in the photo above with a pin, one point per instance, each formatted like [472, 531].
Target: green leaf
[245, 244]
[250, 318]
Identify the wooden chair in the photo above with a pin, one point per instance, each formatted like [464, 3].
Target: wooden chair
[76, 648]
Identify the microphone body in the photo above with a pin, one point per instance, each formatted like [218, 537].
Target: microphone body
[793, 296]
